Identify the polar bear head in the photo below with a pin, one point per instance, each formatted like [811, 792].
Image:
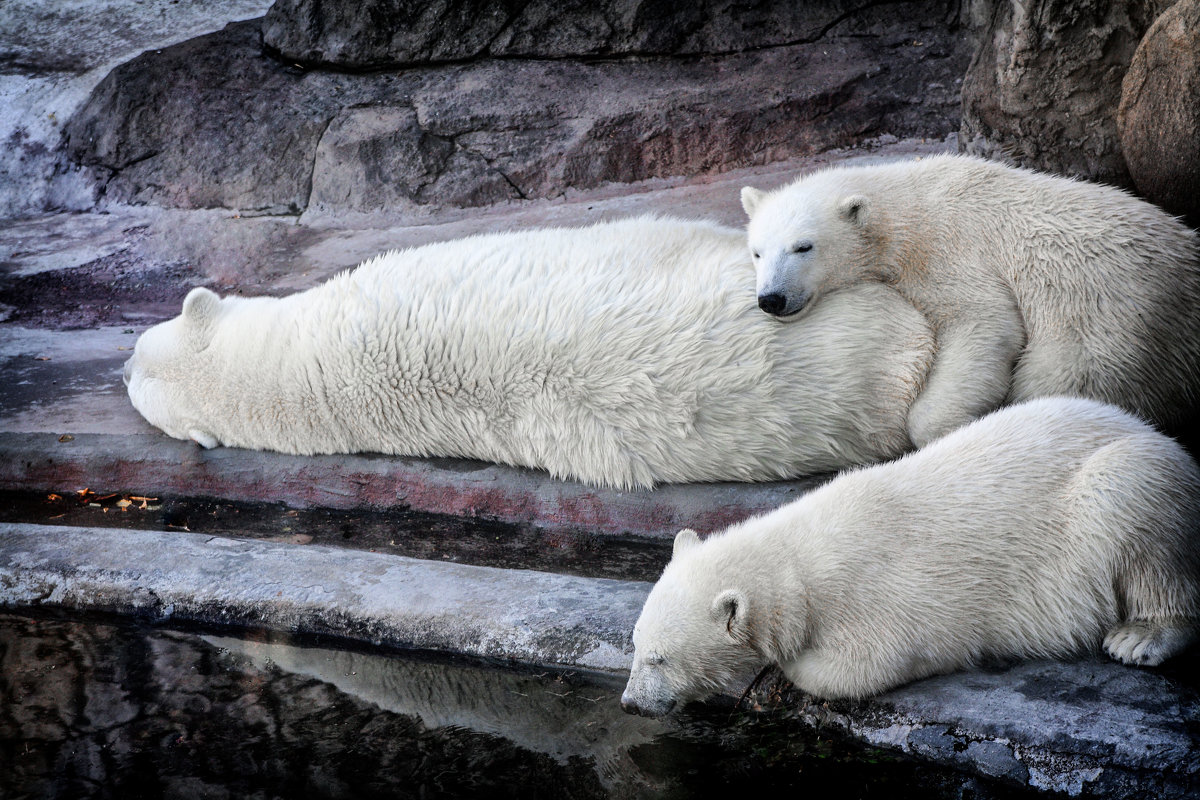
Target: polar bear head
[166, 374]
[693, 637]
[807, 239]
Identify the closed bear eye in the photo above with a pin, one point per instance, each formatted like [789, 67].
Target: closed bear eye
[802, 247]
[655, 661]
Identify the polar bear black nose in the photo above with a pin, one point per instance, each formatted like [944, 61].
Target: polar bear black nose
[773, 303]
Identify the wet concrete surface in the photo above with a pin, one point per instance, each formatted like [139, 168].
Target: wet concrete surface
[97, 708]
[150, 464]
[1089, 728]
[438, 537]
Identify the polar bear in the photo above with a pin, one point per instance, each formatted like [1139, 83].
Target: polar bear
[624, 354]
[1037, 531]
[1035, 285]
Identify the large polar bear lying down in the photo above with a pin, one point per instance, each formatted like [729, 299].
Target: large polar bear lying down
[627, 354]
[1037, 531]
[1035, 285]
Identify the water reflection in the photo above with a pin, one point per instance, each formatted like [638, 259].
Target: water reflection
[554, 714]
[110, 710]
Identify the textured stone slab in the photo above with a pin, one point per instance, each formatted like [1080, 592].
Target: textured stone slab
[156, 465]
[1091, 727]
[535, 617]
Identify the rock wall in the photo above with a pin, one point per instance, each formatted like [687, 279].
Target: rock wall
[402, 107]
[52, 55]
[1043, 88]
[389, 33]
[218, 122]
[1159, 116]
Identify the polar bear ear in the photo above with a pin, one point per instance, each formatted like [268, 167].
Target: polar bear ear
[854, 209]
[731, 608]
[686, 539]
[201, 305]
[751, 198]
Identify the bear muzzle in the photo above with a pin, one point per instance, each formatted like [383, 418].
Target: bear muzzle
[778, 304]
[631, 706]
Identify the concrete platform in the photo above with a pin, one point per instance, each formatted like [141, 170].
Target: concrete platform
[77, 289]
[1091, 728]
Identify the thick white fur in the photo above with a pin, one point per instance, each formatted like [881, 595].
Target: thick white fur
[1036, 285]
[627, 354]
[1037, 531]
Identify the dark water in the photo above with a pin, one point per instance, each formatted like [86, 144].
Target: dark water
[106, 709]
[393, 531]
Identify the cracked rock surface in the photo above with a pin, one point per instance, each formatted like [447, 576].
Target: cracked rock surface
[389, 33]
[51, 57]
[1043, 89]
[214, 122]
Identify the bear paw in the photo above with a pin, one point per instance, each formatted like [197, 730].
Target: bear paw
[1146, 643]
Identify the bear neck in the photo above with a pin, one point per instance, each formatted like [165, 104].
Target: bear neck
[895, 249]
[272, 363]
[769, 564]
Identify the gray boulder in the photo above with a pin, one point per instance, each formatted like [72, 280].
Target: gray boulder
[1043, 88]
[1159, 116]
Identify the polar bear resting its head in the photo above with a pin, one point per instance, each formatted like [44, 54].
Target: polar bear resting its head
[624, 354]
[1036, 285]
[1038, 531]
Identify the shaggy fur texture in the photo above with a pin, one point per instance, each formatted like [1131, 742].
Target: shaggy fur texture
[1035, 285]
[627, 354]
[1041, 530]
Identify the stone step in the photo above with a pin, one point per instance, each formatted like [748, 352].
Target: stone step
[1090, 727]
[438, 537]
[153, 465]
[523, 615]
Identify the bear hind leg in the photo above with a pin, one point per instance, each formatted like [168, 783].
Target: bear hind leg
[1137, 499]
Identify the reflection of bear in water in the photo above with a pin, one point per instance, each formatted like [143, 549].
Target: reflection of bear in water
[625, 354]
[1038, 531]
[565, 720]
[1036, 285]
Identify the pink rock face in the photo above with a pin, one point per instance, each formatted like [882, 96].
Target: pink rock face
[1159, 117]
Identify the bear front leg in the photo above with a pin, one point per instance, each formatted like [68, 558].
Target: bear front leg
[971, 373]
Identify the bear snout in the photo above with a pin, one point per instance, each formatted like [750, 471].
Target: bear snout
[773, 303]
[631, 706]
[778, 304]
